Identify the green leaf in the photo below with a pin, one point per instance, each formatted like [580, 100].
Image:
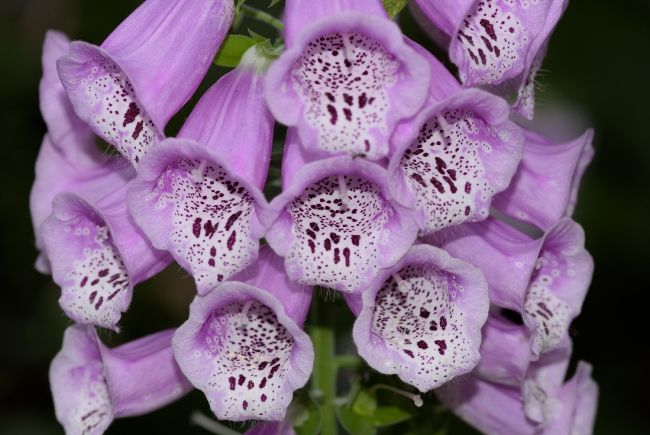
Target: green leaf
[393, 6]
[354, 423]
[256, 37]
[365, 403]
[273, 2]
[389, 415]
[232, 49]
[304, 414]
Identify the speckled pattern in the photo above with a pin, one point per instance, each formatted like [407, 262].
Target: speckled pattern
[526, 95]
[424, 324]
[446, 173]
[93, 400]
[343, 81]
[211, 219]
[551, 314]
[122, 121]
[337, 246]
[249, 361]
[540, 401]
[96, 283]
[493, 40]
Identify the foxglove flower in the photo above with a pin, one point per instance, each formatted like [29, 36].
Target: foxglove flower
[497, 409]
[346, 78]
[198, 196]
[271, 428]
[128, 88]
[92, 384]
[98, 254]
[68, 159]
[545, 280]
[496, 43]
[450, 159]
[545, 186]
[243, 345]
[336, 222]
[422, 318]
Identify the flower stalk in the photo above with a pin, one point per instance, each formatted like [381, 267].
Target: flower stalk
[262, 16]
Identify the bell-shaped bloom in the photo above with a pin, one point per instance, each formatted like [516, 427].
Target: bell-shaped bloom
[68, 160]
[346, 78]
[98, 254]
[545, 186]
[92, 384]
[422, 318]
[336, 223]
[546, 407]
[271, 428]
[450, 159]
[545, 280]
[244, 346]
[495, 42]
[128, 88]
[198, 196]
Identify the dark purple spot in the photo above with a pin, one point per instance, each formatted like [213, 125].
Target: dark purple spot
[213, 252]
[335, 238]
[231, 240]
[419, 179]
[274, 360]
[438, 185]
[423, 344]
[347, 63]
[219, 277]
[371, 100]
[473, 56]
[334, 116]
[211, 262]
[263, 398]
[102, 273]
[94, 281]
[130, 114]
[311, 234]
[443, 322]
[441, 165]
[263, 383]
[245, 405]
[112, 295]
[346, 254]
[314, 226]
[362, 100]
[209, 229]
[327, 244]
[348, 113]
[99, 302]
[487, 42]
[232, 219]
[312, 246]
[114, 277]
[469, 38]
[433, 326]
[348, 99]
[84, 281]
[262, 365]
[409, 353]
[337, 256]
[329, 96]
[482, 55]
[511, 30]
[452, 186]
[442, 346]
[424, 313]
[250, 385]
[241, 380]
[497, 52]
[356, 240]
[467, 210]
[452, 173]
[138, 130]
[93, 295]
[489, 29]
[468, 187]
[196, 227]
[367, 143]
[273, 370]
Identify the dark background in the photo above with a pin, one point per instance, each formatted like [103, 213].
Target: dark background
[595, 74]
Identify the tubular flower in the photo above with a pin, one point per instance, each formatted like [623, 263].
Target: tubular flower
[92, 384]
[496, 42]
[243, 345]
[68, 159]
[128, 88]
[271, 428]
[453, 157]
[545, 186]
[545, 280]
[422, 318]
[346, 78]
[198, 196]
[336, 224]
[98, 254]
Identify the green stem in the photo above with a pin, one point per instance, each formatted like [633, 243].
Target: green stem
[262, 16]
[324, 374]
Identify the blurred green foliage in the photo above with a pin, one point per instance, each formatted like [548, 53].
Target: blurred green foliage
[595, 74]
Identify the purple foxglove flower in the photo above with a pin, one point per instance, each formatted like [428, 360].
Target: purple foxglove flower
[98, 254]
[545, 186]
[243, 345]
[346, 78]
[68, 159]
[422, 318]
[128, 88]
[495, 42]
[271, 428]
[545, 280]
[571, 407]
[198, 196]
[451, 158]
[336, 224]
[92, 384]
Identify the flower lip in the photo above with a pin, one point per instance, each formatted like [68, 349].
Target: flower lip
[439, 343]
[160, 228]
[406, 95]
[262, 388]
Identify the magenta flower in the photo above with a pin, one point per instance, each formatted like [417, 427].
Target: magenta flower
[98, 254]
[422, 318]
[244, 346]
[92, 384]
[128, 88]
[336, 223]
[68, 159]
[496, 42]
[346, 78]
[199, 195]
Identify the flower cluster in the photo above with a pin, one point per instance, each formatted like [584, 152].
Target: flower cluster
[417, 197]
